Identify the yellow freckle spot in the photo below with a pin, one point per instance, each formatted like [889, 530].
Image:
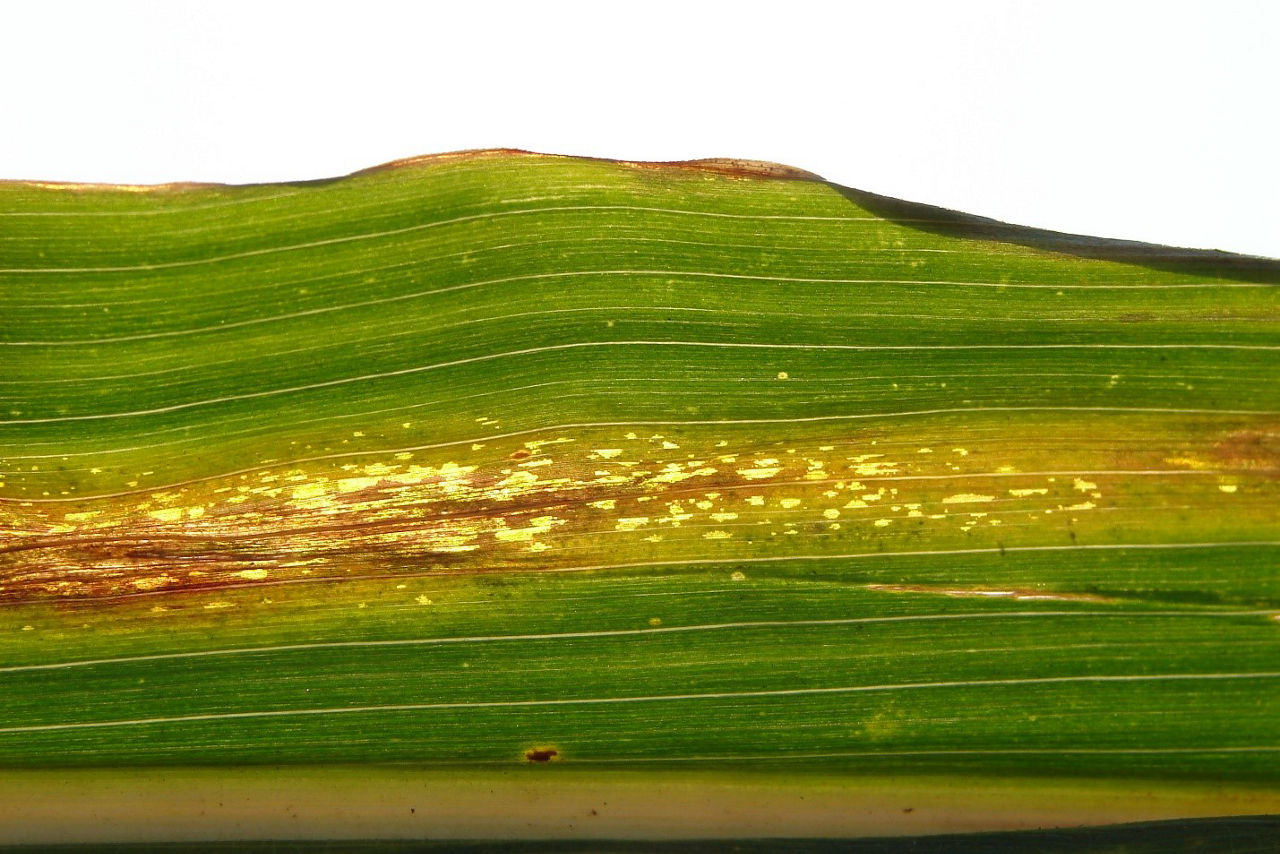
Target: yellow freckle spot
[883, 523]
[831, 513]
[724, 517]
[655, 621]
[855, 504]
[359, 434]
[404, 455]
[252, 574]
[605, 504]
[363, 605]
[218, 606]
[704, 505]
[875, 469]
[914, 513]
[925, 451]
[738, 576]
[1222, 487]
[783, 375]
[759, 473]
[168, 514]
[355, 484]
[755, 500]
[607, 453]
[967, 498]
[95, 471]
[630, 523]
[85, 517]
[653, 538]
[1084, 505]
[960, 451]
[195, 512]
[669, 446]
[308, 490]
[826, 447]
[406, 425]
[538, 547]
[475, 446]
[1024, 493]
[423, 600]
[1084, 485]
[788, 503]
[716, 535]
[28, 628]
[158, 609]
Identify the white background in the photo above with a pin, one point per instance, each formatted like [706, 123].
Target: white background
[1153, 121]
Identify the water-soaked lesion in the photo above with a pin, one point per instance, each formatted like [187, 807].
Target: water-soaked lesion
[611, 497]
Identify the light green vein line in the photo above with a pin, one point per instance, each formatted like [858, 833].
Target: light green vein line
[553, 348]
[707, 316]
[566, 274]
[611, 633]
[352, 238]
[651, 698]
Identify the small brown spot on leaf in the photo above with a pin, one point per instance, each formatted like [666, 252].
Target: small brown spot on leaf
[542, 754]
[521, 454]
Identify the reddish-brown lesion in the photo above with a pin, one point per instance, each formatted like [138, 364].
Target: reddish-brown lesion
[384, 529]
[568, 502]
[1256, 450]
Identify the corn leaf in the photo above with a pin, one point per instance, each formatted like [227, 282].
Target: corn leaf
[499, 459]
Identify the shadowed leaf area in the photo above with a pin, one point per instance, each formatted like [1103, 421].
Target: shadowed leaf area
[502, 458]
[1246, 834]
